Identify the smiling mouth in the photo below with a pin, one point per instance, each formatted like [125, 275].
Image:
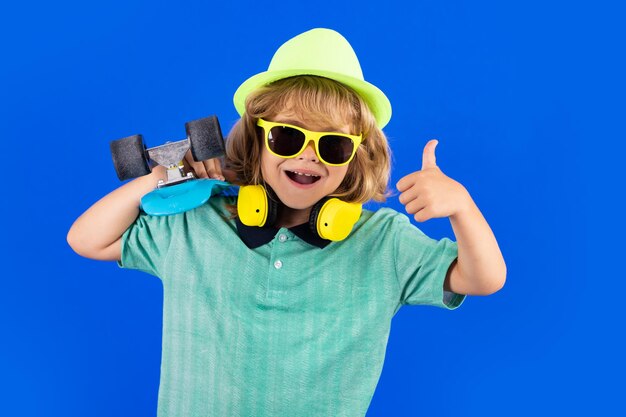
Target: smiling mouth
[302, 178]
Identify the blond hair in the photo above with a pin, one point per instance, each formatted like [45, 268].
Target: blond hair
[320, 101]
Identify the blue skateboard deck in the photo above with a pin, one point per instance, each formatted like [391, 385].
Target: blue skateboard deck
[183, 197]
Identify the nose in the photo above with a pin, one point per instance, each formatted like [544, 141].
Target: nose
[309, 154]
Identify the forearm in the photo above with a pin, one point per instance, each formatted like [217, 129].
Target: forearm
[97, 232]
[480, 268]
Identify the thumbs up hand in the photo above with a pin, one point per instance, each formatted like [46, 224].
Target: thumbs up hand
[429, 193]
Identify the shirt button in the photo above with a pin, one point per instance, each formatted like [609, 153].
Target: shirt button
[282, 238]
[278, 264]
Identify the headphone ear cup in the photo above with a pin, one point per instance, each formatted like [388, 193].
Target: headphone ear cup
[333, 219]
[252, 205]
[254, 208]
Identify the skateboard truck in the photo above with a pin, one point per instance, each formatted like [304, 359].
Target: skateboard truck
[170, 155]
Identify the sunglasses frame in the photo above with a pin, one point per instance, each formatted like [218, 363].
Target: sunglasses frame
[309, 135]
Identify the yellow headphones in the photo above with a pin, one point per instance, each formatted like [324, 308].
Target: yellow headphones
[331, 218]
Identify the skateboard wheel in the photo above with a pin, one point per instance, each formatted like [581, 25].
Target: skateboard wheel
[129, 157]
[205, 138]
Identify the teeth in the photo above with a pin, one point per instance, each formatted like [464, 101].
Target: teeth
[306, 175]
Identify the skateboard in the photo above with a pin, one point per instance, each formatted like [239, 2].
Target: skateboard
[181, 191]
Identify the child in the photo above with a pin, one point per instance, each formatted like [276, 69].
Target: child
[286, 319]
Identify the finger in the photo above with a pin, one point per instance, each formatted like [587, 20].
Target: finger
[406, 182]
[415, 206]
[186, 167]
[198, 169]
[213, 168]
[410, 194]
[188, 158]
[422, 215]
[404, 198]
[190, 165]
[428, 158]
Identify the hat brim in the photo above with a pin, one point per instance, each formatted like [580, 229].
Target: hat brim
[375, 99]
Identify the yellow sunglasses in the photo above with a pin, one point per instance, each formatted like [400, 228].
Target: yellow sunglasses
[288, 141]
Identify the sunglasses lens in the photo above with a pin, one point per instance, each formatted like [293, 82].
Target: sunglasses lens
[336, 149]
[285, 141]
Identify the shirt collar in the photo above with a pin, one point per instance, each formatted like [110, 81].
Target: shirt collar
[254, 236]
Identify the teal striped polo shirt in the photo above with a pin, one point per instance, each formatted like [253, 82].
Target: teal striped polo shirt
[286, 328]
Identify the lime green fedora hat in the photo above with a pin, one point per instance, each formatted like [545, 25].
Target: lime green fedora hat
[321, 52]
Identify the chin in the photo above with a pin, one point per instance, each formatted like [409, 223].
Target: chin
[298, 203]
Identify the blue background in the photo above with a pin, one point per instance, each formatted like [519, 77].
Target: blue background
[526, 99]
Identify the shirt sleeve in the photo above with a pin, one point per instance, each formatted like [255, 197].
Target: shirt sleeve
[421, 266]
[145, 244]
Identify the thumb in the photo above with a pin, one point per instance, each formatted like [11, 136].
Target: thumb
[428, 159]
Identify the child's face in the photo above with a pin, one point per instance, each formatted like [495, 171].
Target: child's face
[302, 181]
